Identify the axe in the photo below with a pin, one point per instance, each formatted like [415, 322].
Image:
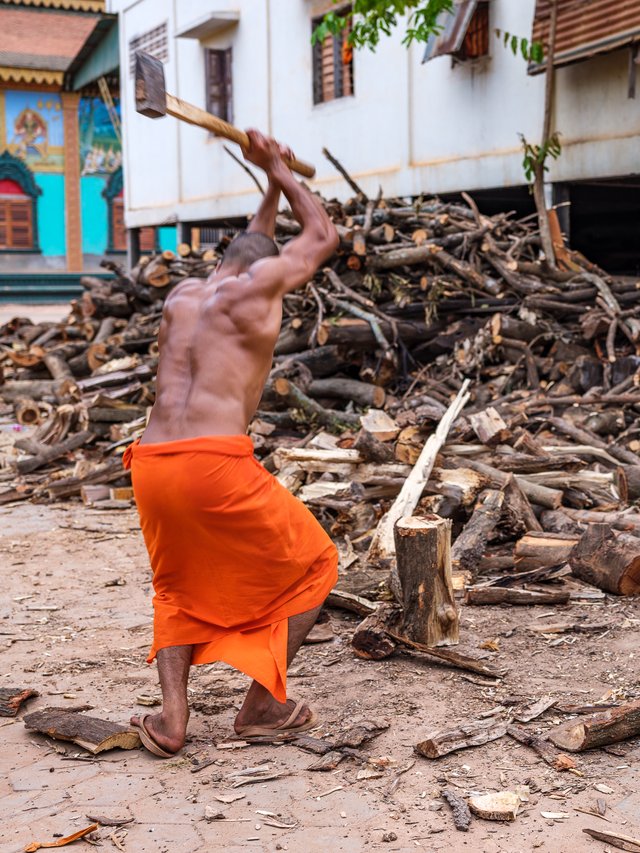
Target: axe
[153, 100]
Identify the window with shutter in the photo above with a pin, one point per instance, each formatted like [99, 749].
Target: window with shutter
[332, 62]
[16, 222]
[219, 83]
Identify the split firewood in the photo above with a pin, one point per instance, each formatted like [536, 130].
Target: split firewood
[470, 546]
[537, 549]
[502, 805]
[489, 427]
[524, 597]
[93, 734]
[608, 560]
[11, 698]
[535, 710]
[464, 736]
[601, 729]
[382, 547]
[371, 639]
[423, 566]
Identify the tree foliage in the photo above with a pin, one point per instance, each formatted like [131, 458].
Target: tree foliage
[368, 20]
[531, 51]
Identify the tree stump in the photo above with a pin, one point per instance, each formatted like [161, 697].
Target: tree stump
[423, 551]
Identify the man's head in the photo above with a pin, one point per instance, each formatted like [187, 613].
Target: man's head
[247, 248]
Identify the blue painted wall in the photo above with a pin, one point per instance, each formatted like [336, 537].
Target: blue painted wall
[94, 215]
[168, 237]
[51, 214]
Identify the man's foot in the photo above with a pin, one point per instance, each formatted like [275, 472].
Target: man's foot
[168, 735]
[273, 717]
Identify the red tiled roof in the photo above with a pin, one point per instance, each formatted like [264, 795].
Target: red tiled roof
[50, 40]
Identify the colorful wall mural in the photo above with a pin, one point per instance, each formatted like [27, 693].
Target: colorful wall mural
[100, 149]
[33, 129]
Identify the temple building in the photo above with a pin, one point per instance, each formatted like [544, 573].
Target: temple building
[61, 179]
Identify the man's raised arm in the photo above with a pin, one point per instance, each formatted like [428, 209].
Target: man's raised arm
[318, 239]
[264, 222]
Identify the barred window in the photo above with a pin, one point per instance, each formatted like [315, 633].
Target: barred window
[219, 88]
[155, 42]
[332, 66]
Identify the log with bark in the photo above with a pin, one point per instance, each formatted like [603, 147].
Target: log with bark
[91, 733]
[597, 730]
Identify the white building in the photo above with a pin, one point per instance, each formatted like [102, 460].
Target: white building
[449, 124]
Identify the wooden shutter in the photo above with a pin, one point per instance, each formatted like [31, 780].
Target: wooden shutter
[16, 223]
[476, 41]
[219, 83]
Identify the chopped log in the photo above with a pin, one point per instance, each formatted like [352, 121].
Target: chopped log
[489, 427]
[423, 552]
[56, 451]
[69, 486]
[379, 424]
[610, 726]
[557, 521]
[525, 597]
[536, 550]
[608, 560]
[502, 805]
[362, 393]
[358, 334]
[372, 449]
[371, 640]
[321, 361]
[615, 839]
[537, 494]
[37, 389]
[57, 366]
[296, 399]
[352, 603]
[11, 698]
[469, 547]
[465, 735]
[459, 808]
[91, 733]
[27, 411]
[382, 546]
[518, 509]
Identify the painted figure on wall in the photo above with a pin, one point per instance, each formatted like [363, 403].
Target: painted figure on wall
[34, 129]
[30, 131]
[100, 151]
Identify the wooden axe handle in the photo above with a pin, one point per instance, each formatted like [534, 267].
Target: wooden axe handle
[194, 115]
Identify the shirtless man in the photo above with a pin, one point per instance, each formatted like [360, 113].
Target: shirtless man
[216, 348]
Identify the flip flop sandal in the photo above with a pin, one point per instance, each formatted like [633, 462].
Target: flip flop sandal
[284, 728]
[150, 743]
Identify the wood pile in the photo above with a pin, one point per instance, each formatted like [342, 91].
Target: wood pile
[424, 302]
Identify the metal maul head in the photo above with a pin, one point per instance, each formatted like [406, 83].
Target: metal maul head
[151, 94]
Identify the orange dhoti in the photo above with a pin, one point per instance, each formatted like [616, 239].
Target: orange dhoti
[234, 554]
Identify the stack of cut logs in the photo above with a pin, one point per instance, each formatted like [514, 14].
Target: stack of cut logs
[423, 304]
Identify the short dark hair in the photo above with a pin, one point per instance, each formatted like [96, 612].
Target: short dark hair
[249, 247]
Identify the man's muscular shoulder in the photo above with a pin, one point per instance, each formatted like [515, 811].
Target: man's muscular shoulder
[190, 287]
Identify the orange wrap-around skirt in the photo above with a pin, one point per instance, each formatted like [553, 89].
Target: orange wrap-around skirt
[233, 553]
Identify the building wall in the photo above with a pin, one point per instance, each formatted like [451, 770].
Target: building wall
[436, 127]
[32, 129]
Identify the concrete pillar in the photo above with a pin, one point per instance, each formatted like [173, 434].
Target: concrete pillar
[133, 246]
[73, 220]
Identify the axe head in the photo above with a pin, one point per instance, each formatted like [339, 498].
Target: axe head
[151, 94]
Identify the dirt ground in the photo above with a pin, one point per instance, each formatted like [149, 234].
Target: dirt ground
[76, 626]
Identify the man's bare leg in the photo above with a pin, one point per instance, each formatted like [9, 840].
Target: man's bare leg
[259, 707]
[169, 727]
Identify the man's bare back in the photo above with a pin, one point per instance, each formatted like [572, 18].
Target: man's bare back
[217, 338]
